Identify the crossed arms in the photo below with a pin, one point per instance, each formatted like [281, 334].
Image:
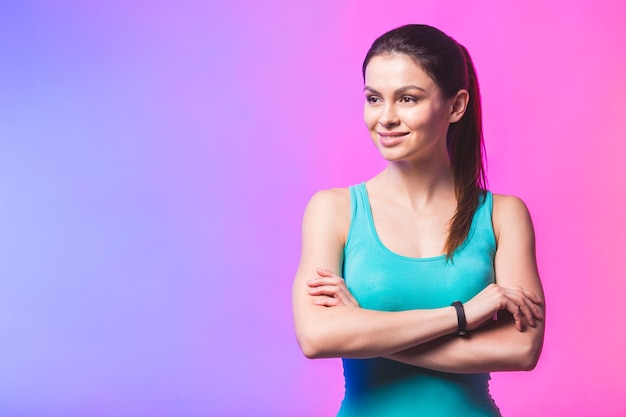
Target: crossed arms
[330, 323]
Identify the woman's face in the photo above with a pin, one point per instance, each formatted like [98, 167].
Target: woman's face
[405, 110]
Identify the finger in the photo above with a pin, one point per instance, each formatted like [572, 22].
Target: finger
[525, 311]
[527, 316]
[517, 314]
[516, 317]
[532, 296]
[527, 308]
[326, 301]
[533, 310]
[355, 303]
[534, 303]
[325, 272]
[347, 299]
[536, 308]
[328, 290]
[342, 296]
[537, 311]
[335, 280]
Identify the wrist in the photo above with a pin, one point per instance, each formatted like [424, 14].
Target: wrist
[460, 317]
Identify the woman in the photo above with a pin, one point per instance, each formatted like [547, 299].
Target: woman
[403, 276]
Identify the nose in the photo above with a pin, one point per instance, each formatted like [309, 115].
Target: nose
[389, 117]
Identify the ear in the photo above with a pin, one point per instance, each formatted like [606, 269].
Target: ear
[459, 105]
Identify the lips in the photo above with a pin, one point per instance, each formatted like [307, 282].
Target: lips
[388, 139]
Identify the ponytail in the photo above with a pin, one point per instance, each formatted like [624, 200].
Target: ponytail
[466, 152]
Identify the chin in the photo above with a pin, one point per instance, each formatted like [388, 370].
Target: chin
[393, 156]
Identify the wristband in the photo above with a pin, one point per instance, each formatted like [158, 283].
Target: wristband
[460, 316]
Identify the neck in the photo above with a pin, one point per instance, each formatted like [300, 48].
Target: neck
[417, 182]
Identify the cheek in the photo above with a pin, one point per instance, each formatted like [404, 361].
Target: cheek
[369, 117]
[420, 119]
[412, 119]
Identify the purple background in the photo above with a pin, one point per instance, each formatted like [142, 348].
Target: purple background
[156, 157]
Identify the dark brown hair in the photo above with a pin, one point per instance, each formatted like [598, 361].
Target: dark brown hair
[449, 64]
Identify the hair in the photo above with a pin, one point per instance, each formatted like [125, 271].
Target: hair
[449, 64]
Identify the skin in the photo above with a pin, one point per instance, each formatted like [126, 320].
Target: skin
[412, 202]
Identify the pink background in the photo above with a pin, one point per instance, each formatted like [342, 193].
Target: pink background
[155, 160]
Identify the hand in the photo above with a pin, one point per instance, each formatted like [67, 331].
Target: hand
[521, 303]
[330, 290]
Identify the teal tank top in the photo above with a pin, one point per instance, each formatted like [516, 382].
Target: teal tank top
[383, 280]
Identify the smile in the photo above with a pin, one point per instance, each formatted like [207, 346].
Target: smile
[388, 139]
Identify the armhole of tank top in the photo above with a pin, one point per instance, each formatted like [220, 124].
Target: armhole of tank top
[353, 209]
[489, 203]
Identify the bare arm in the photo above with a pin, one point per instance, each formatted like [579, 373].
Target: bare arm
[328, 325]
[498, 346]
[343, 331]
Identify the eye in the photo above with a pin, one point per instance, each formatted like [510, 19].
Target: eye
[373, 99]
[408, 99]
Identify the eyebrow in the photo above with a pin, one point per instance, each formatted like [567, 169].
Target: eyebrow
[400, 90]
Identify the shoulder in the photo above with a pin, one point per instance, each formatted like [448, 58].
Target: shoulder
[510, 216]
[333, 198]
[329, 209]
[507, 205]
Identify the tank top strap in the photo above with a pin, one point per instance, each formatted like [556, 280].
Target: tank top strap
[359, 211]
[482, 224]
[485, 207]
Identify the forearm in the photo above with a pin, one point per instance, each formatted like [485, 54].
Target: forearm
[497, 346]
[328, 326]
[360, 333]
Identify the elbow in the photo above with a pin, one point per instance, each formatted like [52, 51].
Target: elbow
[319, 344]
[532, 359]
[530, 356]
[311, 346]
[310, 352]
[529, 362]
[315, 339]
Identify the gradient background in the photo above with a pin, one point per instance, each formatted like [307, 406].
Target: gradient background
[156, 157]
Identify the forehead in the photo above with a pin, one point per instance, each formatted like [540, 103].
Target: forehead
[394, 71]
